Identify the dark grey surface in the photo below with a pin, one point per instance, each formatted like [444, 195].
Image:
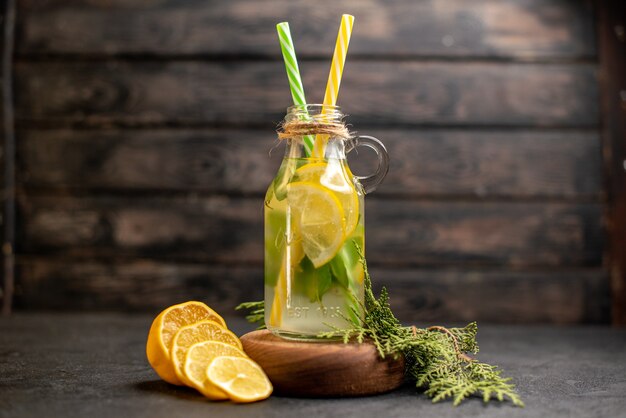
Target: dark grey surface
[62, 365]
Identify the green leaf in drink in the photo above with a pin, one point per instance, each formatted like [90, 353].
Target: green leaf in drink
[347, 259]
[313, 282]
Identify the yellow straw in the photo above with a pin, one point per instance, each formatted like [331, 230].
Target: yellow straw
[334, 77]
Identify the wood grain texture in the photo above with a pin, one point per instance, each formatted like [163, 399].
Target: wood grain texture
[612, 19]
[253, 93]
[417, 295]
[400, 232]
[424, 162]
[4, 285]
[323, 369]
[491, 28]
[7, 156]
[144, 127]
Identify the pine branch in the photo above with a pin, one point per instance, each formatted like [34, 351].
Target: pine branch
[256, 312]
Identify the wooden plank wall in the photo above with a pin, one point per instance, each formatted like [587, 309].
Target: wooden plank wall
[612, 40]
[7, 157]
[4, 298]
[144, 129]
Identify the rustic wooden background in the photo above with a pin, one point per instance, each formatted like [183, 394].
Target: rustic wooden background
[143, 129]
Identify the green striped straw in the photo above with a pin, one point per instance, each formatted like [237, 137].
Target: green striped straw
[293, 74]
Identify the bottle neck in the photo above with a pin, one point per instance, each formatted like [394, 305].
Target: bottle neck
[335, 149]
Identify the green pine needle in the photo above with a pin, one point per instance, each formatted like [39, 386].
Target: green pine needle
[437, 357]
[256, 312]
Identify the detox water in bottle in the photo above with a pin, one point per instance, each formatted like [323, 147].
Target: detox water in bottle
[314, 227]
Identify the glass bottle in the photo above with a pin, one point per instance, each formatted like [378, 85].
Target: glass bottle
[314, 226]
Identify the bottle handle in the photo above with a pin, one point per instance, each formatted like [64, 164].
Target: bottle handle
[372, 181]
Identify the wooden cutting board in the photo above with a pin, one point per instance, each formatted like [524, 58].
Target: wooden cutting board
[323, 369]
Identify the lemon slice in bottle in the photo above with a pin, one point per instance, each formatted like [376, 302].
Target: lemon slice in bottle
[333, 176]
[319, 216]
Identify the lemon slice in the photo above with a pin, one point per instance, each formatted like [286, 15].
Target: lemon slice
[241, 378]
[198, 358]
[195, 333]
[319, 216]
[333, 176]
[163, 329]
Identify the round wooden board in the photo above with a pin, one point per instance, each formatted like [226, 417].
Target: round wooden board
[323, 369]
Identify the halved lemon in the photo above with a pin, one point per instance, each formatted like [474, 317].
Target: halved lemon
[319, 216]
[333, 176]
[198, 358]
[163, 329]
[195, 333]
[241, 378]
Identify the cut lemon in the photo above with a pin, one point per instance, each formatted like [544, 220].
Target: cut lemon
[241, 378]
[280, 296]
[163, 329]
[195, 333]
[333, 176]
[198, 358]
[320, 220]
[294, 254]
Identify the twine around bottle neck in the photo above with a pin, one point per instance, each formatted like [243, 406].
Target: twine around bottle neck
[300, 128]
